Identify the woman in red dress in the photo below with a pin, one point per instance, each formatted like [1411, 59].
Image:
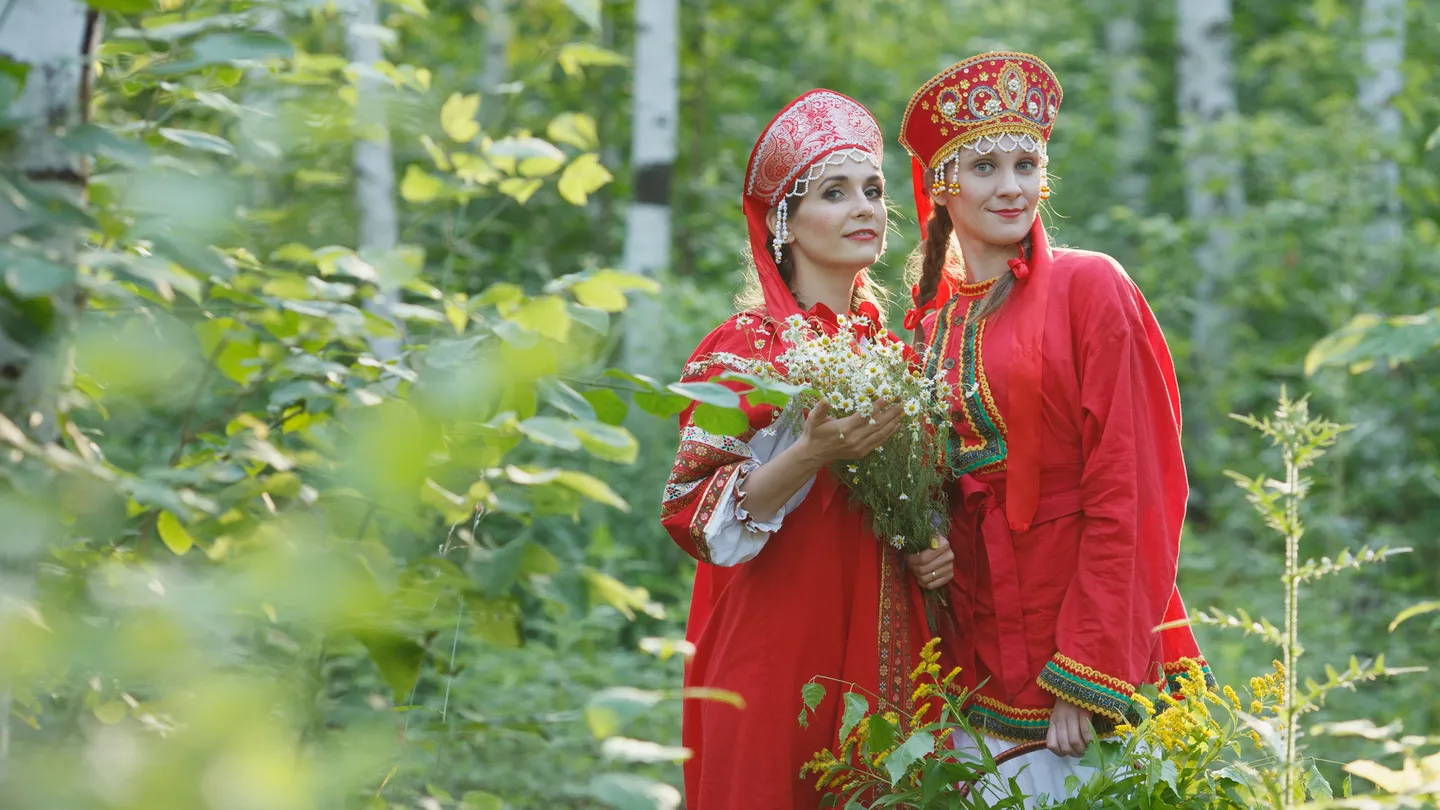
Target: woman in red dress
[791, 584]
[1066, 431]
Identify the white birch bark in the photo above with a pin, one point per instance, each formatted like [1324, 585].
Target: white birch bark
[1213, 182]
[496, 70]
[1133, 121]
[51, 37]
[656, 118]
[55, 38]
[1382, 25]
[374, 161]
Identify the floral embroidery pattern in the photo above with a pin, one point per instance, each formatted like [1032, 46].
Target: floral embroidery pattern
[980, 446]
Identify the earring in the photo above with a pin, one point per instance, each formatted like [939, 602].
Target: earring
[782, 232]
[1044, 189]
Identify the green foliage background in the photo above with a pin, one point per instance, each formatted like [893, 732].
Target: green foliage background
[248, 572]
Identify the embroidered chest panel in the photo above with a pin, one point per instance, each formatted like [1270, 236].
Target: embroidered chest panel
[977, 430]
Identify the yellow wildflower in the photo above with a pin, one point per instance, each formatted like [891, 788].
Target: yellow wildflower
[1234, 699]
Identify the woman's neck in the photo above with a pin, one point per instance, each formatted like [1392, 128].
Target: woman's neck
[829, 287]
[984, 261]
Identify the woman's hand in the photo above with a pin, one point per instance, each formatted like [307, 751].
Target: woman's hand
[827, 440]
[933, 568]
[1070, 730]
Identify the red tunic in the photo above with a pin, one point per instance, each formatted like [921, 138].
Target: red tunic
[823, 597]
[1066, 607]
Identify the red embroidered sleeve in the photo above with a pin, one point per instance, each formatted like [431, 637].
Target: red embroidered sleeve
[1134, 491]
[706, 463]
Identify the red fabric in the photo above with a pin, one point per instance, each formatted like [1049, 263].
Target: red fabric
[1093, 573]
[923, 205]
[823, 598]
[1030, 300]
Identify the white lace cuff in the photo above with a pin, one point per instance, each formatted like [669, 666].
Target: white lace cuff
[731, 533]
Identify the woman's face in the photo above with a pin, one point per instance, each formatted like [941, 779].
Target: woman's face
[839, 225]
[998, 195]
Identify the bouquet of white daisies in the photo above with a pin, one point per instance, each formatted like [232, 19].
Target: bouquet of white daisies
[900, 483]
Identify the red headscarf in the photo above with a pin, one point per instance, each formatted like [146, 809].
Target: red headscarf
[817, 129]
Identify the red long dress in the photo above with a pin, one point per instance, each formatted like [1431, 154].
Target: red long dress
[823, 597]
[1066, 606]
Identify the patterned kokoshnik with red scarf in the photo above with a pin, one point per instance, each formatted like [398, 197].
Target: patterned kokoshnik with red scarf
[810, 591]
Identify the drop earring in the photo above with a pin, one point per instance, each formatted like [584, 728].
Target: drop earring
[782, 232]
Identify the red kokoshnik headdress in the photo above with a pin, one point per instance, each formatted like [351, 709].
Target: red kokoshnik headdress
[816, 130]
[1006, 101]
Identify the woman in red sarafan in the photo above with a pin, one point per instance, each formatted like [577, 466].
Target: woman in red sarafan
[791, 583]
[1071, 485]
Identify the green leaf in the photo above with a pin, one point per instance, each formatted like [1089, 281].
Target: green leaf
[200, 141]
[240, 48]
[707, 392]
[397, 657]
[30, 275]
[813, 694]
[628, 750]
[110, 712]
[173, 533]
[881, 734]
[920, 745]
[607, 711]
[605, 289]
[718, 420]
[479, 800]
[607, 442]
[496, 621]
[608, 406]
[1316, 783]
[856, 707]
[122, 6]
[582, 177]
[90, 139]
[586, 10]
[566, 399]
[622, 597]
[592, 488]
[457, 117]
[552, 431]
[518, 148]
[536, 559]
[1413, 611]
[420, 186]
[545, 315]
[662, 405]
[578, 55]
[575, 129]
[623, 791]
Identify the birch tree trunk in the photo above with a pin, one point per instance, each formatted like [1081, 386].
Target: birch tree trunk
[652, 154]
[56, 40]
[379, 229]
[496, 70]
[1133, 121]
[1213, 184]
[1382, 24]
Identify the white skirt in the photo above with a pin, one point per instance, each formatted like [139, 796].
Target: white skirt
[1041, 775]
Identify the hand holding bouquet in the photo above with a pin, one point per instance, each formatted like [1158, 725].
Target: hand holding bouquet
[854, 373]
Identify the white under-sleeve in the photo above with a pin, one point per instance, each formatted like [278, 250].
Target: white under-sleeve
[731, 533]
